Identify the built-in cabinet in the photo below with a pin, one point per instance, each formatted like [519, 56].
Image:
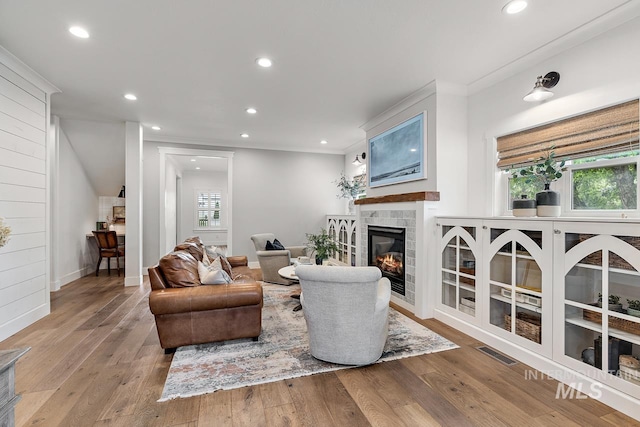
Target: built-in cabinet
[343, 229]
[597, 273]
[559, 288]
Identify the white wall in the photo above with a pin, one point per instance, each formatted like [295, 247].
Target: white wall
[77, 214]
[191, 181]
[286, 193]
[24, 124]
[600, 72]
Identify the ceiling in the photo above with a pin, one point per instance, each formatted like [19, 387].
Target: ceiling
[337, 64]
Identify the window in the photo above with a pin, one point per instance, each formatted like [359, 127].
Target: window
[208, 208]
[607, 183]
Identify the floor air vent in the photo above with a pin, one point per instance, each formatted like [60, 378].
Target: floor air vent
[498, 356]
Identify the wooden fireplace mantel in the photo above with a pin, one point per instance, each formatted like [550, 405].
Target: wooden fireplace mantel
[419, 196]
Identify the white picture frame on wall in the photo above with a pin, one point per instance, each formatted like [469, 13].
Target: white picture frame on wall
[398, 154]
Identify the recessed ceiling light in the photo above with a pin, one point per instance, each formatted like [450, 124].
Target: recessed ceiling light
[130, 97]
[193, 160]
[197, 168]
[413, 150]
[514, 6]
[156, 128]
[79, 32]
[264, 62]
[323, 142]
[251, 110]
[244, 135]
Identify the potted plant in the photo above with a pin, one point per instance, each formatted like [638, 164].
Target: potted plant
[349, 189]
[634, 307]
[614, 303]
[5, 232]
[322, 244]
[545, 171]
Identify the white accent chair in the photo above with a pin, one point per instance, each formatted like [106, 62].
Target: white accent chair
[347, 310]
[272, 261]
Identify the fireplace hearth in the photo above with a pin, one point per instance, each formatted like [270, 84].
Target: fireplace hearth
[386, 248]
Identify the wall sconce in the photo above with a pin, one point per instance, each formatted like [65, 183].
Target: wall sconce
[541, 91]
[357, 161]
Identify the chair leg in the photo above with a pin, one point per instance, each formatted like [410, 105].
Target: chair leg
[98, 267]
[118, 263]
[109, 265]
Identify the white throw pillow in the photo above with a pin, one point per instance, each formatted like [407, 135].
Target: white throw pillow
[205, 259]
[213, 274]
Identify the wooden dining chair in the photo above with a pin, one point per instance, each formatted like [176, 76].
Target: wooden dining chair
[108, 248]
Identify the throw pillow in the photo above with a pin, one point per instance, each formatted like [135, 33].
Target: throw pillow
[213, 274]
[275, 246]
[205, 259]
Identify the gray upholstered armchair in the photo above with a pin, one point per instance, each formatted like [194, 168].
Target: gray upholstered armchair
[346, 309]
[272, 261]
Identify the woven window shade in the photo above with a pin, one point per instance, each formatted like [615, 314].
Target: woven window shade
[605, 131]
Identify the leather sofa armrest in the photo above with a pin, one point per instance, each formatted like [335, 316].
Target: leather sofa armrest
[238, 261]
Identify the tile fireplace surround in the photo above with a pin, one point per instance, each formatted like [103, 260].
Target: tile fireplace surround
[415, 215]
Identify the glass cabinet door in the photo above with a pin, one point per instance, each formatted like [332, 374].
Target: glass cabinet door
[458, 268]
[515, 264]
[601, 287]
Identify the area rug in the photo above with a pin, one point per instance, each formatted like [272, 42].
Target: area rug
[282, 352]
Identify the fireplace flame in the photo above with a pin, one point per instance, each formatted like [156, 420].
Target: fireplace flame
[389, 263]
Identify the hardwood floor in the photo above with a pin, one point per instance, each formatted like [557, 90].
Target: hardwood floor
[96, 361]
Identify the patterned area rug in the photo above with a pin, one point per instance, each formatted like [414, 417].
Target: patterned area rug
[282, 352]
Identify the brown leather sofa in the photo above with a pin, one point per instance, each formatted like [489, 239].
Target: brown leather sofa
[187, 312]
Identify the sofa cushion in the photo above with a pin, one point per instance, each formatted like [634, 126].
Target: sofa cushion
[180, 269]
[212, 274]
[193, 248]
[203, 298]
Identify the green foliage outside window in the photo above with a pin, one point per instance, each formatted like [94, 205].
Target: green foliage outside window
[605, 188]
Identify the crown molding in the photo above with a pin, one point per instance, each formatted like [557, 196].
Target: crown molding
[23, 70]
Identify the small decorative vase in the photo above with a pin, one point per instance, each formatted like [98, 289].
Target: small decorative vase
[524, 206]
[548, 202]
[319, 260]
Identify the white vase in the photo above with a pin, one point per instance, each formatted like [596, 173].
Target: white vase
[351, 210]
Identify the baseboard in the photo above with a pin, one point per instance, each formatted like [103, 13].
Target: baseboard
[133, 280]
[21, 322]
[75, 275]
[609, 396]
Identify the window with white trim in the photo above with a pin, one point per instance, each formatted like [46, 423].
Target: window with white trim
[208, 209]
[601, 154]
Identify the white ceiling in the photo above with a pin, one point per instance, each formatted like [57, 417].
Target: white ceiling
[337, 64]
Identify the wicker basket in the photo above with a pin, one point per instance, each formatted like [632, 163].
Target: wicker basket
[527, 325]
[615, 261]
[466, 280]
[614, 322]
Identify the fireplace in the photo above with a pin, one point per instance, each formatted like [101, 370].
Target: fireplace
[386, 248]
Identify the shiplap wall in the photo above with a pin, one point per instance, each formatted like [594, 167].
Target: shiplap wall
[23, 135]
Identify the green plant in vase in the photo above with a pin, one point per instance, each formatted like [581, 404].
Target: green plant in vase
[323, 245]
[545, 171]
[634, 307]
